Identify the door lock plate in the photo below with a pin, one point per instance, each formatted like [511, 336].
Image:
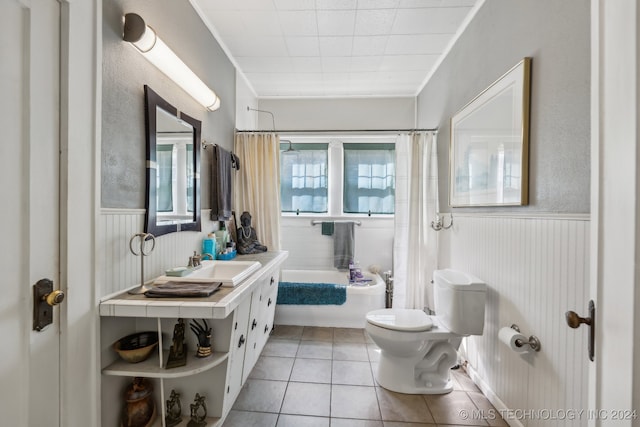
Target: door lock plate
[44, 299]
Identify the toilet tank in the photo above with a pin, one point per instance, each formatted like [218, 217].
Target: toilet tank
[459, 301]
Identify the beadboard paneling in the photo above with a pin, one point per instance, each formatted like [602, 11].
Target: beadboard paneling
[536, 269]
[120, 269]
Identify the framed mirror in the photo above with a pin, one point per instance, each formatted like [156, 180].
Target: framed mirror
[173, 168]
[489, 152]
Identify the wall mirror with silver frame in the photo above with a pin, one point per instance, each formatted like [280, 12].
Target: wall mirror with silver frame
[173, 168]
[490, 144]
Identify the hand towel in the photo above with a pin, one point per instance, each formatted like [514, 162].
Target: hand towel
[343, 244]
[221, 184]
[327, 228]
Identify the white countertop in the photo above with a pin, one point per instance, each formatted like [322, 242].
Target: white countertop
[217, 306]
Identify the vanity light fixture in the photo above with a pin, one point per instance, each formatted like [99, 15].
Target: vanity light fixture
[147, 42]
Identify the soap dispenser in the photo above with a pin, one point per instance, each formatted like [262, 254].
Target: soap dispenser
[209, 245]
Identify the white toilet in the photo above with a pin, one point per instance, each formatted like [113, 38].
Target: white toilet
[417, 350]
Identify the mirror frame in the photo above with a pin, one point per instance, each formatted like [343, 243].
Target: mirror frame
[152, 102]
[518, 79]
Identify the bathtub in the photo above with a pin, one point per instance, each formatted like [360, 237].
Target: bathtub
[360, 300]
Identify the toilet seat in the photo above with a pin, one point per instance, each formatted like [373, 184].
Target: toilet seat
[408, 320]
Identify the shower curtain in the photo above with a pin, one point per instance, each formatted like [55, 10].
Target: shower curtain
[415, 247]
[257, 187]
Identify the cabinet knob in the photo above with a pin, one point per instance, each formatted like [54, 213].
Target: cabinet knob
[254, 324]
[272, 281]
[241, 341]
[269, 302]
[266, 328]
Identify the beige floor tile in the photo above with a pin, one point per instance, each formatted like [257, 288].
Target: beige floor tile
[317, 334]
[351, 372]
[286, 420]
[348, 401]
[492, 416]
[315, 350]
[287, 332]
[272, 368]
[346, 422]
[367, 338]
[261, 396]
[403, 407]
[312, 371]
[374, 352]
[307, 399]
[250, 419]
[453, 408]
[463, 379]
[280, 348]
[350, 351]
[348, 335]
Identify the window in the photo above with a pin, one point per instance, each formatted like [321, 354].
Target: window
[353, 175]
[369, 178]
[303, 178]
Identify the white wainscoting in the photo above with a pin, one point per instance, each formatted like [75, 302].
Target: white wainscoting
[119, 269]
[310, 250]
[536, 268]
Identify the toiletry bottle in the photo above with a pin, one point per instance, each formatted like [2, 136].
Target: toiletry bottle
[209, 245]
[352, 271]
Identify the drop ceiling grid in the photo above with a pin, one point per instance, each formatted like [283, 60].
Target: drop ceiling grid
[335, 47]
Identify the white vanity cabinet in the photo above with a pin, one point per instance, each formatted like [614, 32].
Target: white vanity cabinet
[241, 319]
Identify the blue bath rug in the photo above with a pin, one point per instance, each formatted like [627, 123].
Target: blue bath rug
[311, 293]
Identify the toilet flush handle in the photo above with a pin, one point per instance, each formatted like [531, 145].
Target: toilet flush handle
[574, 321]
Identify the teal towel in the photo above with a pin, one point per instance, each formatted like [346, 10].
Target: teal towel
[327, 228]
[311, 293]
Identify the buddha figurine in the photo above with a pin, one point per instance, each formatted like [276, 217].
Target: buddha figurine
[248, 242]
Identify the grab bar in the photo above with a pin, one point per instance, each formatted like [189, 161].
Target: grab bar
[317, 221]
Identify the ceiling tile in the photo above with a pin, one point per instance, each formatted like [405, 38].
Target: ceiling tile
[365, 63]
[335, 4]
[257, 46]
[227, 22]
[298, 23]
[408, 62]
[265, 64]
[377, 4]
[303, 46]
[335, 46]
[336, 23]
[306, 64]
[294, 4]
[261, 23]
[374, 22]
[372, 45]
[336, 64]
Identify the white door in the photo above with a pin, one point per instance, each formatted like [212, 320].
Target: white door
[29, 176]
[614, 377]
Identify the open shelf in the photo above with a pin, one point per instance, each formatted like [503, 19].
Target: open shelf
[150, 368]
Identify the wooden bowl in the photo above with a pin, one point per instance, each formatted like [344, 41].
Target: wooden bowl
[136, 347]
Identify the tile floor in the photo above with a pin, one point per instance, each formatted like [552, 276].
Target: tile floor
[323, 377]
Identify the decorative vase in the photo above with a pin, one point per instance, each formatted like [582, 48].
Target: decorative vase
[139, 409]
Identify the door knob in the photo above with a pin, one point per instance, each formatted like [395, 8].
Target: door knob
[574, 321]
[54, 298]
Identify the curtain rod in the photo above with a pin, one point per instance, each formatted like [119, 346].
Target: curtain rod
[338, 131]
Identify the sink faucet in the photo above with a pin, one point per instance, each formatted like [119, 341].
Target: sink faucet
[206, 254]
[194, 261]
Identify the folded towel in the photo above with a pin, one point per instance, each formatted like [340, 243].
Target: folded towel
[299, 293]
[182, 289]
[327, 228]
[221, 184]
[343, 245]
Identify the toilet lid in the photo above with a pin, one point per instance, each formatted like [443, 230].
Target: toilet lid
[400, 319]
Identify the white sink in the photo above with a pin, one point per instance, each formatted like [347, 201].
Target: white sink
[230, 273]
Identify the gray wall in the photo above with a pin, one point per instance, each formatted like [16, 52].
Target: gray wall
[125, 72]
[556, 35]
[338, 113]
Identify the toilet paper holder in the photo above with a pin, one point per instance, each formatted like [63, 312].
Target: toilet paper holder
[533, 343]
